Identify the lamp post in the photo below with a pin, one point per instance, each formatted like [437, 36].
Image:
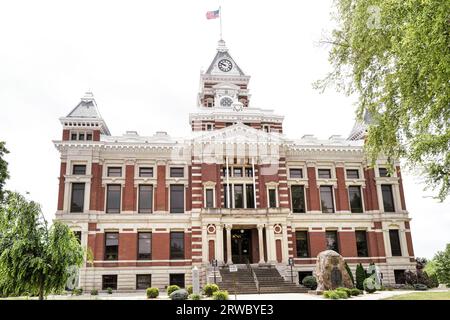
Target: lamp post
[291, 264]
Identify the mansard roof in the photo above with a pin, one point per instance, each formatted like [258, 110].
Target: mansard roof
[86, 113]
[360, 128]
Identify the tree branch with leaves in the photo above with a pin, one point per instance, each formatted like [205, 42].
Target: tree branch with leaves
[395, 55]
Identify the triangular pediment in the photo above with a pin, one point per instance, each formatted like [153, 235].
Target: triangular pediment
[239, 133]
[223, 54]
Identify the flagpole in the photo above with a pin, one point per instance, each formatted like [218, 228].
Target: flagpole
[220, 17]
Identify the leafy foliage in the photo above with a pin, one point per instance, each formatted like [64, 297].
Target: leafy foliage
[210, 288]
[35, 258]
[350, 273]
[172, 288]
[152, 292]
[220, 295]
[3, 168]
[310, 282]
[361, 275]
[442, 265]
[369, 285]
[394, 55]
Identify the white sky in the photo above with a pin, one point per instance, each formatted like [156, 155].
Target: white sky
[142, 60]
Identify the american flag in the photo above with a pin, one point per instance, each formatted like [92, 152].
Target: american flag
[213, 14]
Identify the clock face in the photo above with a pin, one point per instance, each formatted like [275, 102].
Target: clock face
[226, 102]
[225, 65]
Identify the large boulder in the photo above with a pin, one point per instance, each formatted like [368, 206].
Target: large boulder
[331, 272]
[181, 294]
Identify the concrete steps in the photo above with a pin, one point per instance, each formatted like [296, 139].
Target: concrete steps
[269, 279]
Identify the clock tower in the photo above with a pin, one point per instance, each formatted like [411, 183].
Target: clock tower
[224, 98]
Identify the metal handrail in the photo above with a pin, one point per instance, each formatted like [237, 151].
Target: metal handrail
[254, 276]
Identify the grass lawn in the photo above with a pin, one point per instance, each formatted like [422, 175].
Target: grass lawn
[424, 295]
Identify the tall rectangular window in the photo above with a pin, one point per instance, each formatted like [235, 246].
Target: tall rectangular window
[354, 194]
[394, 238]
[298, 199]
[176, 279]
[143, 281]
[177, 198]
[225, 197]
[145, 198]
[295, 173]
[144, 245]
[301, 241]
[176, 245]
[324, 173]
[272, 198]
[361, 244]
[177, 172]
[114, 171]
[326, 199]
[249, 172]
[250, 196]
[113, 198]
[79, 169]
[332, 240]
[146, 172]
[238, 196]
[209, 203]
[352, 174]
[111, 245]
[388, 198]
[77, 199]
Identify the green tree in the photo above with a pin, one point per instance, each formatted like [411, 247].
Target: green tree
[35, 258]
[361, 275]
[395, 56]
[442, 265]
[350, 273]
[3, 168]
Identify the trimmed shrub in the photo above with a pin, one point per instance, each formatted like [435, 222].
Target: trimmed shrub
[210, 288]
[355, 292]
[341, 294]
[180, 294]
[220, 295]
[189, 289]
[420, 287]
[152, 292]
[350, 273]
[172, 288]
[346, 290]
[331, 294]
[369, 285]
[360, 276]
[195, 297]
[310, 282]
[77, 291]
[109, 290]
[94, 292]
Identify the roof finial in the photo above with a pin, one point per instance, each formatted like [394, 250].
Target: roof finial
[221, 46]
[88, 95]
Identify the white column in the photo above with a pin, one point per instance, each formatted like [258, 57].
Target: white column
[67, 192]
[254, 181]
[284, 245]
[229, 260]
[403, 242]
[219, 244]
[261, 244]
[228, 184]
[270, 244]
[205, 246]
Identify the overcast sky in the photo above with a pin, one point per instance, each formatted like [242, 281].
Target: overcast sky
[142, 60]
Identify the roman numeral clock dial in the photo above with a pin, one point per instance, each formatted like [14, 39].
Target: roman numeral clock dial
[225, 65]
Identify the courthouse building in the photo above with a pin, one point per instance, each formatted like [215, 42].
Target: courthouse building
[237, 190]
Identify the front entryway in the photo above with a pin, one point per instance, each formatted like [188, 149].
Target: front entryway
[241, 246]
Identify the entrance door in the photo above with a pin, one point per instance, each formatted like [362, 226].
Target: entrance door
[241, 246]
